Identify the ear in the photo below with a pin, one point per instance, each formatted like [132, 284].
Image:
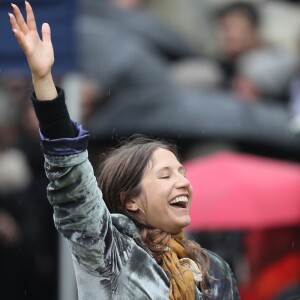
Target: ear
[132, 205]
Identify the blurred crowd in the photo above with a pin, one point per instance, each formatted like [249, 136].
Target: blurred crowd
[229, 47]
[157, 54]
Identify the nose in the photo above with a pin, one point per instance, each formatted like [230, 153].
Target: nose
[183, 182]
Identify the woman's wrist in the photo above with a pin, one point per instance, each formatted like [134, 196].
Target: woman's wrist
[53, 116]
[44, 87]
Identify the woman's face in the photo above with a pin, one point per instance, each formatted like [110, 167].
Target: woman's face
[166, 193]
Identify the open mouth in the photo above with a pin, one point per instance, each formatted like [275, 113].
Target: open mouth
[179, 202]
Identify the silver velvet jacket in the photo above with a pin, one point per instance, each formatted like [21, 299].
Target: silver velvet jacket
[109, 257]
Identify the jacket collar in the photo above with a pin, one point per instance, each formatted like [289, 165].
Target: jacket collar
[126, 226]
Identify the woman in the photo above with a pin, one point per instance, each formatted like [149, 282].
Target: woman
[132, 247]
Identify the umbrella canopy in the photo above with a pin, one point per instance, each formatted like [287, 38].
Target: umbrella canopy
[194, 115]
[236, 191]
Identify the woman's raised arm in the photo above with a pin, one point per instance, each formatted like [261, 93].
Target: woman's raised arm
[80, 213]
[39, 52]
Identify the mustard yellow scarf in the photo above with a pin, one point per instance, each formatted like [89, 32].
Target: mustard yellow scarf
[181, 276]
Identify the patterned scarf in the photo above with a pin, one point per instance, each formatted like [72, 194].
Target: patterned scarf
[182, 272]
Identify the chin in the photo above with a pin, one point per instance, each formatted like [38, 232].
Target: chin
[186, 224]
[180, 226]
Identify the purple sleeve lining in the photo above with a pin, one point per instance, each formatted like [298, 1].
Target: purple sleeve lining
[66, 146]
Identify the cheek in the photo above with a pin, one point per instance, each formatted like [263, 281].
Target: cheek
[157, 194]
[154, 187]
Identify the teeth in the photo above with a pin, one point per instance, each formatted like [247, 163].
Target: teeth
[179, 199]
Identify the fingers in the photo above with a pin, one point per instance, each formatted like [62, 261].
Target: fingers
[30, 17]
[13, 22]
[21, 38]
[19, 18]
[16, 29]
[46, 33]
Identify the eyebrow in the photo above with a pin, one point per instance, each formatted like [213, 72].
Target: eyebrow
[180, 169]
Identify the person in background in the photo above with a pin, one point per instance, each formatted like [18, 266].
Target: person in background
[237, 32]
[253, 69]
[26, 240]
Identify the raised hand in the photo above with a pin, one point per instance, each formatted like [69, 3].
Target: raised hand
[39, 52]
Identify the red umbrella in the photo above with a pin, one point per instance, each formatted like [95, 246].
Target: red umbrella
[237, 191]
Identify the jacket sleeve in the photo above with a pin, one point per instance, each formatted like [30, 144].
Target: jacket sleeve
[80, 213]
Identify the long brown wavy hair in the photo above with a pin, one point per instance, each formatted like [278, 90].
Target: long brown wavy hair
[119, 178]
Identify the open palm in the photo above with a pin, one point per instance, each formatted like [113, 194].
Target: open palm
[39, 52]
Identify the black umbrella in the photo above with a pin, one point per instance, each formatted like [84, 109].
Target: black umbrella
[195, 115]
